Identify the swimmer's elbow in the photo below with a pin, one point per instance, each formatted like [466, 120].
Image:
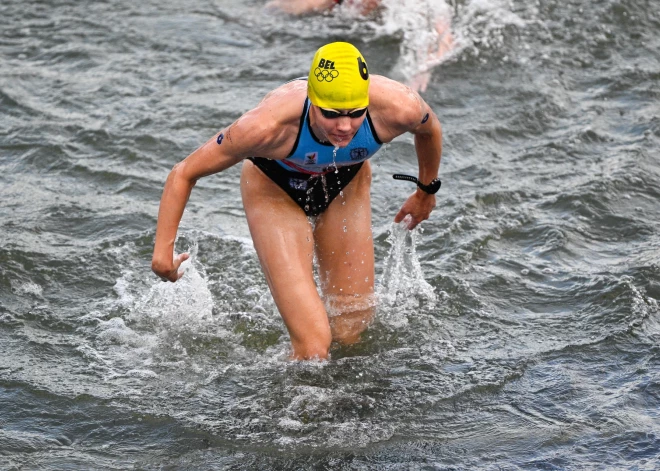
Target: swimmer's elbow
[435, 127]
[180, 174]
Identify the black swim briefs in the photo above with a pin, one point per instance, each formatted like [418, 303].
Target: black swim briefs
[313, 193]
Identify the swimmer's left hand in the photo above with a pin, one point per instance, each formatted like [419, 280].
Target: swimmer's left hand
[418, 206]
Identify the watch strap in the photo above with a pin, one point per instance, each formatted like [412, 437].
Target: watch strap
[432, 188]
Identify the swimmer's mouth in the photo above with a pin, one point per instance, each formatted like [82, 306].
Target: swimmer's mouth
[341, 137]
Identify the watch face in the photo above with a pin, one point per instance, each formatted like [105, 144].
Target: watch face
[434, 186]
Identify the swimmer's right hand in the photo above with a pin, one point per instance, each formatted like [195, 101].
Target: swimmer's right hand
[168, 272]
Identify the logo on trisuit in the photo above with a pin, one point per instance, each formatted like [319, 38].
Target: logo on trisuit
[359, 153]
[311, 158]
[298, 183]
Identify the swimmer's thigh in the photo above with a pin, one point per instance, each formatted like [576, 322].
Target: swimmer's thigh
[283, 239]
[345, 253]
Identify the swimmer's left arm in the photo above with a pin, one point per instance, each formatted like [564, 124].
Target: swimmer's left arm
[428, 144]
[425, 126]
[396, 110]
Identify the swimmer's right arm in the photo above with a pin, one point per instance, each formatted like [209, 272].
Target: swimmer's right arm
[258, 132]
[224, 150]
[178, 186]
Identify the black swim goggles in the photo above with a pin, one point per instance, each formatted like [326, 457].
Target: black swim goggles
[332, 114]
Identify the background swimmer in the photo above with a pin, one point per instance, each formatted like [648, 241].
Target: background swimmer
[301, 7]
[425, 26]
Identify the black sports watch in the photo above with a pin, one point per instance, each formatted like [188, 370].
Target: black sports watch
[432, 188]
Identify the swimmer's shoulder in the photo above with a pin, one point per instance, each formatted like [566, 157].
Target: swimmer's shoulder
[284, 105]
[274, 122]
[394, 107]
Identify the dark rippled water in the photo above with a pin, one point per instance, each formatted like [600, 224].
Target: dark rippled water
[519, 329]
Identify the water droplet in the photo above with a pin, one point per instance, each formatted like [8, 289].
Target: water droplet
[334, 158]
[324, 184]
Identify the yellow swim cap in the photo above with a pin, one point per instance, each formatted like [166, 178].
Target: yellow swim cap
[338, 78]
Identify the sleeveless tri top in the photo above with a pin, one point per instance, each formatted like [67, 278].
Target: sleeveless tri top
[311, 156]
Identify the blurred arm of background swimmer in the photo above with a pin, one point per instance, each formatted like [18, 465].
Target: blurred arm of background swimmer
[434, 55]
[267, 130]
[301, 7]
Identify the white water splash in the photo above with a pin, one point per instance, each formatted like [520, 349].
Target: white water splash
[186, 305]
[403, 284]
[26, 288]
[433, 32]
[427, 38]
[481, 23]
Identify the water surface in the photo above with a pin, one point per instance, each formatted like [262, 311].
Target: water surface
[518, 329]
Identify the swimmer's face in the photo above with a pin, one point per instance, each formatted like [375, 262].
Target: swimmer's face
[338, 126]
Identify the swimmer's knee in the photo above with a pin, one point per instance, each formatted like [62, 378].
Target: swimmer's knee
[350, 315]
[312, 347]
[347, 327]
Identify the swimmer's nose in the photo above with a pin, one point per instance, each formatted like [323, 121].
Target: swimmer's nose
[344, 124]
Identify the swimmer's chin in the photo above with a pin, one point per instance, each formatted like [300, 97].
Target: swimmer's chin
[340, 142]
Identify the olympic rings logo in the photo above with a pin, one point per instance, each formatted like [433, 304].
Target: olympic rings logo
[325, 74]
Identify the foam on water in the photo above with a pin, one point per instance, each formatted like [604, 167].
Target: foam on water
[29, 288]
[165, 324]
